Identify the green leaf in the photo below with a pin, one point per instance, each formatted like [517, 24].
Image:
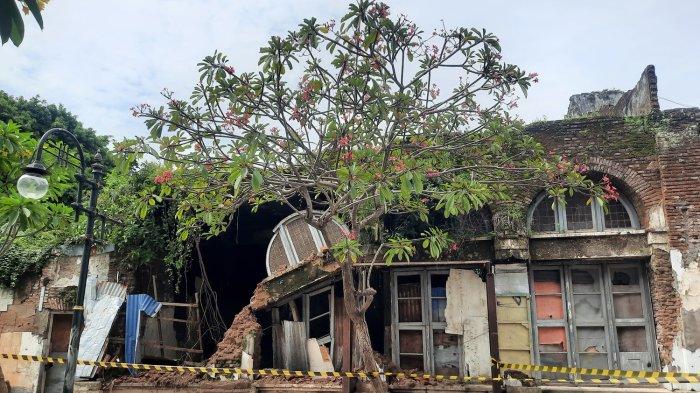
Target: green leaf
[256, 181]
[143, 211]
[17, 27]
[36, 11]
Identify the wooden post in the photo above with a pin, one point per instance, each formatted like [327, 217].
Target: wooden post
[199, 321]
[160, 326]
[493, 324]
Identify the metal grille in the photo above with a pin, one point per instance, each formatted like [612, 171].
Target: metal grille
[579, 215]
[617, 216]
[543, 217]
[301, 237]
[278, 258]
[476, 222]
[334, 233]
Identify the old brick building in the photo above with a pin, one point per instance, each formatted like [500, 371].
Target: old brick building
[574, 284]
[535, 282]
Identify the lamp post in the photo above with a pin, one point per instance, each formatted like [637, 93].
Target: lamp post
[33, 184]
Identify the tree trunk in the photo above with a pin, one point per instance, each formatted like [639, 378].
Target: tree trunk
[360, 328]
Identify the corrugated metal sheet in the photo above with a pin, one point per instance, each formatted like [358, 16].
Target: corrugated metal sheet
[135, 304]
[99, 317]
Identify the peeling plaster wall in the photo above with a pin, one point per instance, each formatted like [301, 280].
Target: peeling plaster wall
[24, 329]
[22, 376]
[686, 348]
[7, 296]
[64, 270]
[466, 314]
[679, 160]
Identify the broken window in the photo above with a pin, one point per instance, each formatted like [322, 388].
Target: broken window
[318, 312]
[419, 300]
[592, 316]
[578, 213]
[315, 311]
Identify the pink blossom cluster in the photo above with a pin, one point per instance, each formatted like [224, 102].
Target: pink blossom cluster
[380, 9]
[609, 191]
[163, 178]
[237, 121]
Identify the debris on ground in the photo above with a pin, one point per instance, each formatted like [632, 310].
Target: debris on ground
[229, 349]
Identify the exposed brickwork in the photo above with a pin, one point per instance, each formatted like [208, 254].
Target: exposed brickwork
[21, 314]
[680, 175]
[665, 302]
[613, 146]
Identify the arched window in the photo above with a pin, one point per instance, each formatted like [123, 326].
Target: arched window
[294, 241]
[548, 215]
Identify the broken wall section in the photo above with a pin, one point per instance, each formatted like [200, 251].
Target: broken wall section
[26, 312]
[639, 101]
[679, 160]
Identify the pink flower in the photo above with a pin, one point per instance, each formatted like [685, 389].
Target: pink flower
[454, 247]
[164, 177]
[347, 157]
[344, 141]
[609, 191]
[229, 70]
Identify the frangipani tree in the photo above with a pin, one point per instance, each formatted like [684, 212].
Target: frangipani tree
[354, 119]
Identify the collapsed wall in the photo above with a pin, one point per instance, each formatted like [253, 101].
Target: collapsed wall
[639, 101]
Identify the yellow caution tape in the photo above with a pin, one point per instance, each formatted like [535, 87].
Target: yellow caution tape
[625, 377]
[657, 376]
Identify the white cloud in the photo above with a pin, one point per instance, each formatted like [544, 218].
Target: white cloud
[99, 58]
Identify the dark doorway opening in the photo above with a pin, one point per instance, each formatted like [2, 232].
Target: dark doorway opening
[235, 262]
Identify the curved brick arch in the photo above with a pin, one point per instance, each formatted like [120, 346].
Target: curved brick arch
[630, 183]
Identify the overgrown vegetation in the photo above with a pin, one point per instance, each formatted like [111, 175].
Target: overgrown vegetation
[148, 233]
[30, 229]
[346, 119]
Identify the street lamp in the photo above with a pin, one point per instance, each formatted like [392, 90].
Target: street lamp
[33, 184]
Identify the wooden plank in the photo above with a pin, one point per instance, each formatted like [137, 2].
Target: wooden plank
[173, 319]
[199, 321]
[277, 335]
[294, 353]
[171, 304]
[476, 263]
[154, 344]
[158, 320]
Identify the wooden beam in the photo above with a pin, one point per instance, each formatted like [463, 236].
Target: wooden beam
[493, 324]
[170, 304]
[380, 265]
[158, 320]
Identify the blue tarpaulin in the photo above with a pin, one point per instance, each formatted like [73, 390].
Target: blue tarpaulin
[135, 304]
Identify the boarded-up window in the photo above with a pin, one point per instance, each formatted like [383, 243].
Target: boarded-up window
[593, 316]
[60, 332]
[419, 302]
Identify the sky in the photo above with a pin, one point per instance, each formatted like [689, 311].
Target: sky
[100, 58]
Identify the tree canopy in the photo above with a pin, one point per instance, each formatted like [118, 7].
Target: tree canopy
[37, 116]
[30, 229]
[352, 119]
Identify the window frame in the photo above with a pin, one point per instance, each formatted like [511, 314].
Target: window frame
[609, 322]
[597, 214]
[427, 326]
[305, 313]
